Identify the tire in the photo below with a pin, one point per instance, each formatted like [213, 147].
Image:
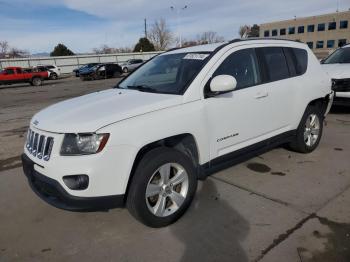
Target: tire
[36, 81]
[53, 76]
[125, 70]
[309, 131]
[147, 177]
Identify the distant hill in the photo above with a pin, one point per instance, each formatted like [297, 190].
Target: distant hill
[40, 54]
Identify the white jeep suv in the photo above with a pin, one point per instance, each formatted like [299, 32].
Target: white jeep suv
[176, 119]
[337, 65]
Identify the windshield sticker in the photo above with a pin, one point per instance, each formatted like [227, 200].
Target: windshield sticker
[196, 56]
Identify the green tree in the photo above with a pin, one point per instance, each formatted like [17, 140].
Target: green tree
[144, 45]
[61, 50]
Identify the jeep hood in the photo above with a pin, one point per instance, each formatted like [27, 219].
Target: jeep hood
[90, 112]
[337, 71]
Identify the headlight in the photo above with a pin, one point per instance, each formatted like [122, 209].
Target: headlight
[83, 144]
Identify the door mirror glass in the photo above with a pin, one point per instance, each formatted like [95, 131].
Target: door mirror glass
[223, 83]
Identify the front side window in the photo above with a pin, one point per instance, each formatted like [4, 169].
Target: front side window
[276, 63]
[330, 43]
[311, 28]
[319, 44]
[301, 29]
[243, 66]
[167, 73]
[321, 27]
[339, 56]
[332, 26]
[343, 24]
[291, 30]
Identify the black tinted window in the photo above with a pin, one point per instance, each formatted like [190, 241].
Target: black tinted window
[300, 61]
[243, 66]
[275, 62]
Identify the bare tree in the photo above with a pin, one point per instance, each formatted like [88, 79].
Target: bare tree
[209, 37]
[104, 49]
[17, 53]
[244, 31]
[160, 35]
[4, 46]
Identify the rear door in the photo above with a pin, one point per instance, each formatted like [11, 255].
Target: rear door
[280, 88]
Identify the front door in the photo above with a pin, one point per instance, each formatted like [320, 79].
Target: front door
[240, 118]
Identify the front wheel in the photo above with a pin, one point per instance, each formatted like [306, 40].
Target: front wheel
[309, 132]
[125, 70]
[162, 188]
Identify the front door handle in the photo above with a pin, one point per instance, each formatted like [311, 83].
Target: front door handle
[261, 95]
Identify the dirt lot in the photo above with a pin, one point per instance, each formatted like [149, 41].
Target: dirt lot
[280, 206]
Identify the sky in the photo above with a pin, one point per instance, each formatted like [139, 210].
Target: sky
[39, 25]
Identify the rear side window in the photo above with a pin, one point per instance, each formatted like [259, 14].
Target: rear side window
[275, 63]
[243, 66]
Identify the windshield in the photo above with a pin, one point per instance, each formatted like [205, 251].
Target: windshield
[339, 56]
[167, 74]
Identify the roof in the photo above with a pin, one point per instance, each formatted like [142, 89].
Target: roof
[242, 41]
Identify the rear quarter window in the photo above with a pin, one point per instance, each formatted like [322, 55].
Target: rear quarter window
[301, 60]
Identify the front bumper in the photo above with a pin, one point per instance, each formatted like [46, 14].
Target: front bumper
[53, 193]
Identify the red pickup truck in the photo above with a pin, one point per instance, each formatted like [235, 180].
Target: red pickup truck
[14, 75]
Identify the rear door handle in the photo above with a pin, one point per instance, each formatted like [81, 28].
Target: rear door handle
[261, 95]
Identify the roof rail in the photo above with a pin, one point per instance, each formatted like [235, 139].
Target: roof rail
[262, 38]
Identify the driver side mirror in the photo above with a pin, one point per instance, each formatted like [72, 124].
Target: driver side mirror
[223, 84]
[322, 60]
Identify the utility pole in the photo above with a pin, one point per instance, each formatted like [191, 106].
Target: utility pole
[146, 28]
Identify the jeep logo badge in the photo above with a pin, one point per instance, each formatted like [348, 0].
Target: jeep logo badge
[36, 122]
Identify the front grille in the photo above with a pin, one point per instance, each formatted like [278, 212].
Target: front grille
[38, 145]
[341, 85]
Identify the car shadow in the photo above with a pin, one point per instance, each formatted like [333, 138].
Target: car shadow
[211, 230]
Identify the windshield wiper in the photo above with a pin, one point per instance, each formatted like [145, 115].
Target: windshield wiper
[143, 88]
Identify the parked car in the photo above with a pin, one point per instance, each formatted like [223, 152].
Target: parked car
[14, 75]
[101, 71]
[131, 65]
[77, 70]
[178, 118]
[54, 71]
[337, 65]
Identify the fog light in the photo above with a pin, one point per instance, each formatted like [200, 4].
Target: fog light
[76, 182]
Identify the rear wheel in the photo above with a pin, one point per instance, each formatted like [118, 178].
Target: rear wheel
[309, 132]
[125, 70]
[36, 81]
[162, 188]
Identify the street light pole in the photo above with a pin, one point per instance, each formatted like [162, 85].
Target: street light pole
[177, 11]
